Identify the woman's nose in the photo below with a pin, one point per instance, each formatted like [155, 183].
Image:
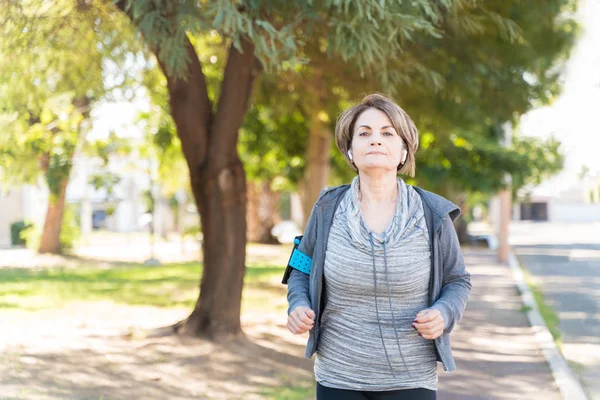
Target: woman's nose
[376, 138]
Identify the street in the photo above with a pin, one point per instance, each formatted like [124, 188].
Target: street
[564, 261]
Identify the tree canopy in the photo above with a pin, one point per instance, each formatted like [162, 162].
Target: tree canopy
[461, 69]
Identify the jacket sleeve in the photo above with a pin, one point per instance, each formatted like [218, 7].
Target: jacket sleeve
[456, 281]
[299, 282]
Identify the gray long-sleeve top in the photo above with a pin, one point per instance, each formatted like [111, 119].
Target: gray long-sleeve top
[375, 284]
[449, 284]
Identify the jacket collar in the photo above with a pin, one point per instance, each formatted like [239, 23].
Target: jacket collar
[438, 206]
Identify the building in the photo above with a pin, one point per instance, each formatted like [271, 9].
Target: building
[124, 210]
[575, 202]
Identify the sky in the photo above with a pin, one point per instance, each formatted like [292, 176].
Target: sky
[572, 118]
[118, 117]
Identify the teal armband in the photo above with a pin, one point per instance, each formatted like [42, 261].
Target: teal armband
[299, 260]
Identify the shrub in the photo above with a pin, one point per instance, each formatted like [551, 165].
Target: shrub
[70, 229]
[17, 237]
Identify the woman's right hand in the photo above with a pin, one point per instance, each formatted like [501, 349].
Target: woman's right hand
[301, 320]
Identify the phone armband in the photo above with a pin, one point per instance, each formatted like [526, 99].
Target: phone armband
[298, 260]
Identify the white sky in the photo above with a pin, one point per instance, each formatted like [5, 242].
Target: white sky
[573, 117]
[118, 116]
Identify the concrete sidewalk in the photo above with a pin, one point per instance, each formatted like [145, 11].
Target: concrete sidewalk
[496, 353]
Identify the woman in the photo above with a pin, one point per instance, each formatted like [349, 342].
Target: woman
[383, 281]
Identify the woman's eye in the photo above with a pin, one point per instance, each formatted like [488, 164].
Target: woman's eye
[388, 133]
[363, 133]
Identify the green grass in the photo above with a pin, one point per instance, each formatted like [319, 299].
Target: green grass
[169, 285]
[577, 367]
[548, 314]
[525, 309]
[301, 390]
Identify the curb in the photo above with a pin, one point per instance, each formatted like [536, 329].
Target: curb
[568, 384]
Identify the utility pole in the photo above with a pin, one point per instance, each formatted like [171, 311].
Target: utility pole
[505, 197]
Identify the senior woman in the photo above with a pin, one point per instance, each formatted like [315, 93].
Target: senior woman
[378, 278]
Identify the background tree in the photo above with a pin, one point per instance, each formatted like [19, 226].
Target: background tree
[50, 82]
[272, 146]
[489, 81]
[106, 180]
[460, 88]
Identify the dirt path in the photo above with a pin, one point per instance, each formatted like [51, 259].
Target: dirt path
[82, 353]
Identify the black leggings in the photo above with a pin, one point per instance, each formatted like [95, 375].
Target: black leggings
[327, 393]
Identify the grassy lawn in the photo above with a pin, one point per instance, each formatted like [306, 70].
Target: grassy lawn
[292, 391]
[550, 317]
[169, 285]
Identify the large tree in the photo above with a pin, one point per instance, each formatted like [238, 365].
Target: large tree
[490, 66]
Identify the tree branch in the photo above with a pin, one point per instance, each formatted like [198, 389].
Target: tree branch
[236, 88]
[191, 108]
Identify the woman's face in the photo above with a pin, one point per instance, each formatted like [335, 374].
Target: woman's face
[375, 143]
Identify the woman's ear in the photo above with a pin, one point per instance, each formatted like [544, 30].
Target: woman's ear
[350, 154]
[404, 157]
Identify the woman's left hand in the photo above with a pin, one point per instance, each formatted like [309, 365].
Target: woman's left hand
[429, 323]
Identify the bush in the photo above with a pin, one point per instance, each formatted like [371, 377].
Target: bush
[16, 229]
[193, 232]
[32, 235]
[70, 229]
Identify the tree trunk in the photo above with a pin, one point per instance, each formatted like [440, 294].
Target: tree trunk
[317, 167]
[221, 200]
[320, 139]
[460, 199]
[252, 211]
[218, 181]
[50, 241]
[461, 231]
[461, 224]
[261, 212]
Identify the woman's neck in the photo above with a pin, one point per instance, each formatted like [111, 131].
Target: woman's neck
[378, 189]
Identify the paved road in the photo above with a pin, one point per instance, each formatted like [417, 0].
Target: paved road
[565, 261]
[496, 353]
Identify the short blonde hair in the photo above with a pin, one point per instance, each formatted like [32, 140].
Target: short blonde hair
[402, 123]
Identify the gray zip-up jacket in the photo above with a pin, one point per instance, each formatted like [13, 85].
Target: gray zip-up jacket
[449, 284]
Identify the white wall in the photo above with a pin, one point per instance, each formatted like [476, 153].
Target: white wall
[35, 203]
[516, 212]
[10, 211]
[26, 202]
[565, 212]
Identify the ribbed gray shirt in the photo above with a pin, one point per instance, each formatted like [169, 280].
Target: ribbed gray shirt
[361, 346]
